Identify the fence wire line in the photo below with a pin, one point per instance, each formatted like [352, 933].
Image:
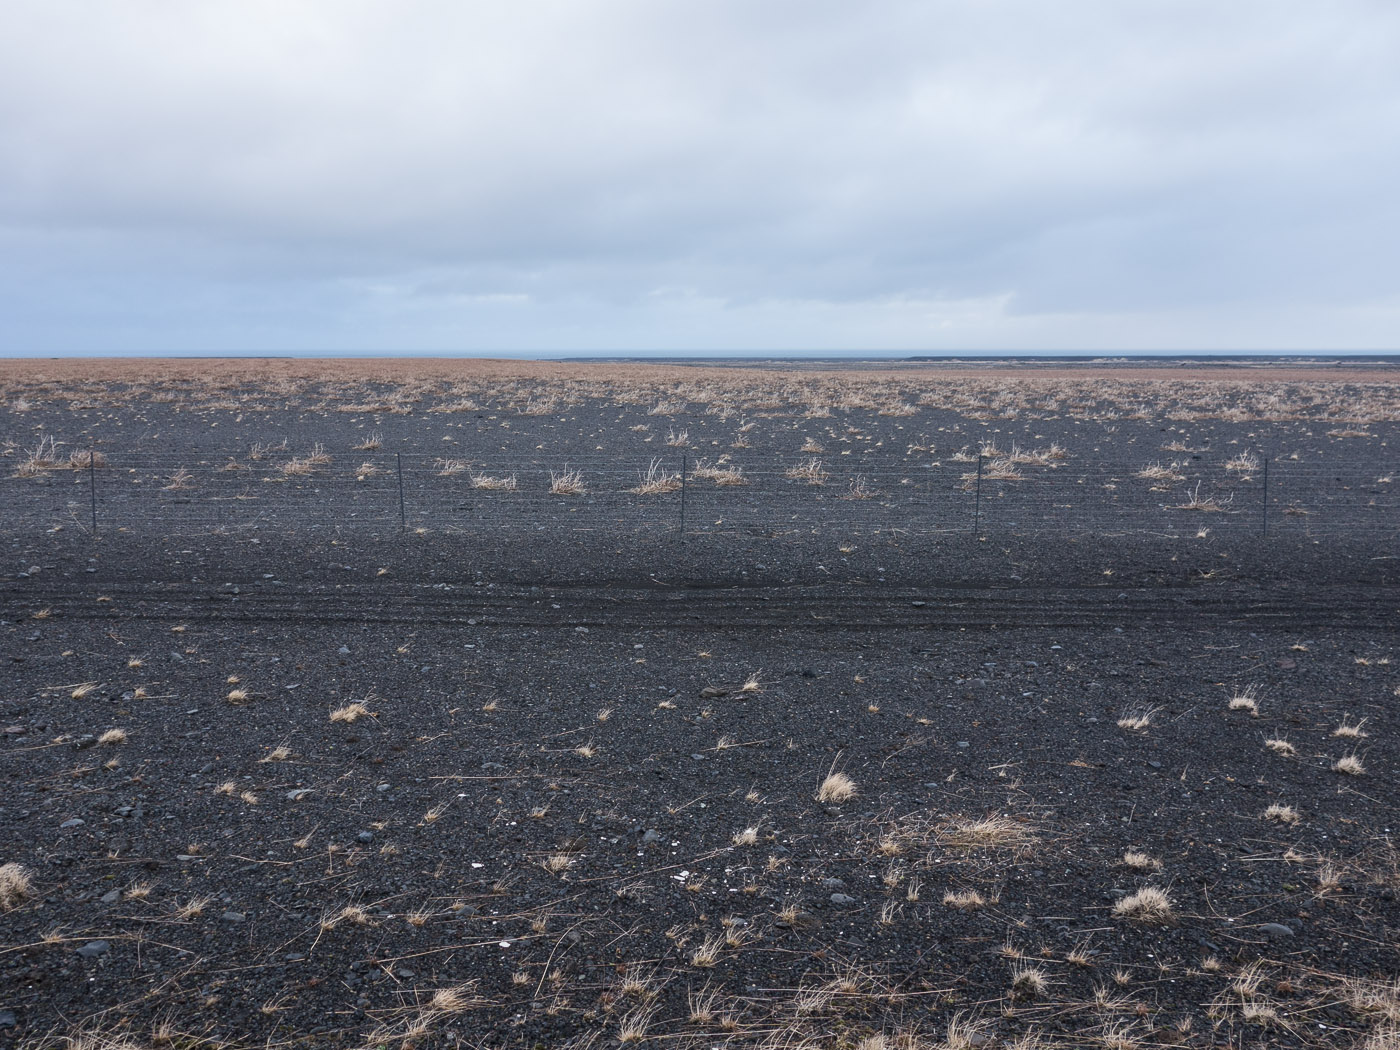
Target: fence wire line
[169, 492]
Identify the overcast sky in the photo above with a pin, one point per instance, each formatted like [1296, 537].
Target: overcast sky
[206, 176]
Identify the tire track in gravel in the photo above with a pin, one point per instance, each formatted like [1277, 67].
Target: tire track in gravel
[814, 607]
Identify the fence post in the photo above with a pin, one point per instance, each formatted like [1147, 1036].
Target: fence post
[403, 513]
[92, 486]
[683, 473]
[1264, 513]
[977, 502]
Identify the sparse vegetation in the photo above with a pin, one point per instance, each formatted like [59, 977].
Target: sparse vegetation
[16, 885]
[1147, 905]
[567, 482]
[581, 819]
[810, 470]
[836, 787]
[1351, 765]
[350, 713]
[1246, 700]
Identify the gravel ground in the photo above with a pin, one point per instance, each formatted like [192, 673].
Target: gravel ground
[347, 787]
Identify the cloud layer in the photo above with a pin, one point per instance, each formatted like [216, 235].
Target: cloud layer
[739, 174]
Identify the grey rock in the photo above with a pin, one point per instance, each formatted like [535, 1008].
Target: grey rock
[111, 896]
[963, 744]
[382, 788]
[652, 835]
[75, 822]
[842, 899]
[233, 916]
[8, 1019]
[365, 836]
[833, 884]
[1276, 931]
[93, 949]
[297, 794]
[344, 650]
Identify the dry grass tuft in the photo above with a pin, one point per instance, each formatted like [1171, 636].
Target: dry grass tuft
[1206, 504]
[567, 482]
[1280, 746]
[505, 483]
[16, 884]
[747, 837]
[634, 1024]
[996, 831]
[1283, 814]
[707, 953]
[860, 489]
[964, 900]
[1244, 463]
[1029, 982]
[656, 481]
[965, 1033]
[193, 907]
[1246, 700]
[1147, 905]
[1351, 765]
[350, 712]
[721, 473]
[457, 999]
[1155, 472]
[1372, 998]
[557, 863]
[836, 787]
[1136, 718]
[1351, 732]
[112, 736]
[1141, 861]
[810, 470]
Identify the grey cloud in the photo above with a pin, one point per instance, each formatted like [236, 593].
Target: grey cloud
[762, 173]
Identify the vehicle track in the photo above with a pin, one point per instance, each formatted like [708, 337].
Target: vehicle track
[814, 607]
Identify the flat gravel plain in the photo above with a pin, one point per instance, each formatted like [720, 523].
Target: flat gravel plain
[777, 787]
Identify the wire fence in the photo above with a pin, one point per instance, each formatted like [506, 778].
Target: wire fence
[143, 493]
